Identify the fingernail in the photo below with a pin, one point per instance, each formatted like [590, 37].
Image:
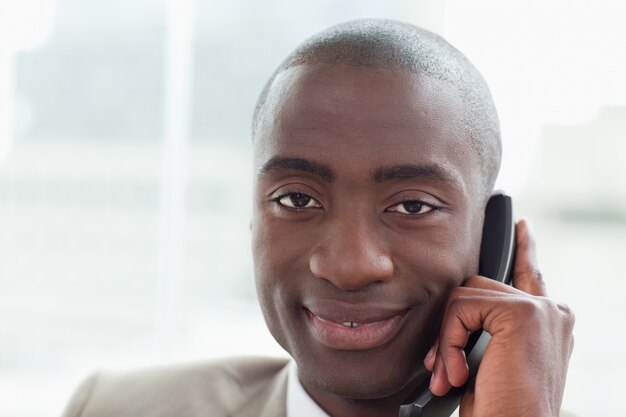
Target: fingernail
[430, 353]
[433, 376]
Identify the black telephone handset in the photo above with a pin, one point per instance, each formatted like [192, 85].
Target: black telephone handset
[496, 262]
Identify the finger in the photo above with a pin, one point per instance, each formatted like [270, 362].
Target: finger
[483, 283]
[429, 360]
[439, 384]
[450, 364]
[465, 314]
[526, 275]
[453, 340]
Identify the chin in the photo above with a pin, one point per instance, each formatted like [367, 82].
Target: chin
[358, 376]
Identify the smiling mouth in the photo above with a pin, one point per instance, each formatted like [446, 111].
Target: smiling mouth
[360, 333]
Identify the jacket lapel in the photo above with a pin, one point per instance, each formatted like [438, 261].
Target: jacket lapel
[276, 404]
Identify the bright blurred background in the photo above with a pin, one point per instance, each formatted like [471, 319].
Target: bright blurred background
[125, 174]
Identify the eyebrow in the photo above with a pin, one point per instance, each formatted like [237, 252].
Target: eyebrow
[278, 164]
[397, 172]
[400, 172]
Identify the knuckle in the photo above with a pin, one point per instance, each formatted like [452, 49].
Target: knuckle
[543, 309]
[565, 309]
[447, 351]
[531, 308]
[568, 316]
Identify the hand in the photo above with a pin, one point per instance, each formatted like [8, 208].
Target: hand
[524, 367]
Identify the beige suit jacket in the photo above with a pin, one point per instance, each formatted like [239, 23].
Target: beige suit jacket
[238, 387]
[241, 387]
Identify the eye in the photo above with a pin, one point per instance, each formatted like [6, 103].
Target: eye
[297, 201]
[411, 207]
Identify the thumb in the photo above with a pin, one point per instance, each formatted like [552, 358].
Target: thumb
[526, 274]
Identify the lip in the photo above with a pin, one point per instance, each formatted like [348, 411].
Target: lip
[376, 324]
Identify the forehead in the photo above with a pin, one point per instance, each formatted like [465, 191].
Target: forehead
[375, 116]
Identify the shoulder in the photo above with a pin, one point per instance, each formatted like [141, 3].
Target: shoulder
[227, 387]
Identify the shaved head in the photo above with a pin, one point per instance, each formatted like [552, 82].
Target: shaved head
[400, 46]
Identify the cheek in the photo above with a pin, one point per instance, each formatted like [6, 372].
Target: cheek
[431, 265]
[270, 293]
[279, 266]
[440, 259]
[279, 251]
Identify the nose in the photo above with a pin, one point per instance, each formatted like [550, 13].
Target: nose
[351, 255]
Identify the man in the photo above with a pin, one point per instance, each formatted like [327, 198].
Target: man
[376, 148]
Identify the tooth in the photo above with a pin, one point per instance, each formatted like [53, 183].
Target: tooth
[355, 324]
[347, 323]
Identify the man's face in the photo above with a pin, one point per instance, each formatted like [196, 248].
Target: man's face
[367, 212]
